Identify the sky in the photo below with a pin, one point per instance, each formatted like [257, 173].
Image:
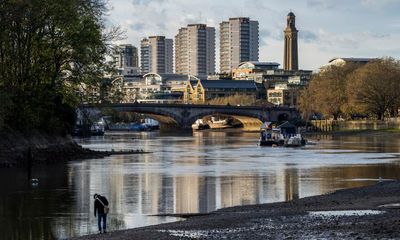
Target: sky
[327, 28]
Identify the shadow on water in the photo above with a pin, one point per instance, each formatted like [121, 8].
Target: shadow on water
[28, 211]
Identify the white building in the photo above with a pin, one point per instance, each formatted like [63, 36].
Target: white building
[155, 88]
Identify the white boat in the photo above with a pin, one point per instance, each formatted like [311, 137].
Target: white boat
[199, 125]
[295, 141]
[218, 124]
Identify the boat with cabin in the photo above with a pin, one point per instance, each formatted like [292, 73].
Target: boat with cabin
[285, 135]
[270, 136]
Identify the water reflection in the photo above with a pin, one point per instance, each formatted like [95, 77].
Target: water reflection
[184, 173]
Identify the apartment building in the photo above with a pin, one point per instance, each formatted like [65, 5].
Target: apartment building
[195, 50]
[156, 55]
[239, 42]
[125, 58]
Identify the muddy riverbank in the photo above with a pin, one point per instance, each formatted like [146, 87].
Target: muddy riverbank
[345, 214]
[22, 150]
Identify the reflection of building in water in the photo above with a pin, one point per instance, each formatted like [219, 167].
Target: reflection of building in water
[149, 188]
[207, 200]
[155, 193]
[116, 183]
[186, 187]
[186, 190]
[291, 184]
[239, 190]
[150, 184]
[131, 193]
[281, 184]
[194, 194]
[272, 189]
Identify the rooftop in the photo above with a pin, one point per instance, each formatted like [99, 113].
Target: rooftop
[231, 84]
[171, 76]
[351, 59]
[258, 65]
[157, 37]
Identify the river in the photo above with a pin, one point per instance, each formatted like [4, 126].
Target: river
[184, 173]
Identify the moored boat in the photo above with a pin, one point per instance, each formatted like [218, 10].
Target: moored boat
[199, 125]
[97, 130]
[270, 136]
[219, 124]
[295, 141]
[284, 135]
[132, 127]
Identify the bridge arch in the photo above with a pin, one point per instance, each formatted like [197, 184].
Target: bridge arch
[167, 119]
[249, 121]
[184, 115]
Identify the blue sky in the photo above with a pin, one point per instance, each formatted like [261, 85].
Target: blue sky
[327, 28]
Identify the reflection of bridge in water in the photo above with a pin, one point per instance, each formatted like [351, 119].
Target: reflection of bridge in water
[184, 115]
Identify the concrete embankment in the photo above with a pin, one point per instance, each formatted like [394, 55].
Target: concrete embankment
[345, 214]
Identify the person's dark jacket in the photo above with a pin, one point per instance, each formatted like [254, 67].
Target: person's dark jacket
[98, 207]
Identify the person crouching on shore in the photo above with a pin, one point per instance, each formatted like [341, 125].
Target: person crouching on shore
[101, 208]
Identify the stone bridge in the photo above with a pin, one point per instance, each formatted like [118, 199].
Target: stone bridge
[184, 115]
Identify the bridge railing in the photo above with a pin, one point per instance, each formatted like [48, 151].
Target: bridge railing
[175, 105]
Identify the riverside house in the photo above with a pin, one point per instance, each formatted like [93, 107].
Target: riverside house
[200, 91]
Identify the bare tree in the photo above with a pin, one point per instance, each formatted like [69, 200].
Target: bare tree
[374, 88]
[326, 92]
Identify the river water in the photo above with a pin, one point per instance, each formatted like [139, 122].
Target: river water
[184, 173]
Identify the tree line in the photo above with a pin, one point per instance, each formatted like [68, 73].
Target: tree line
[352, 91]
[48, 48]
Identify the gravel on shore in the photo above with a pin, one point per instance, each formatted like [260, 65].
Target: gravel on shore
[345, 214]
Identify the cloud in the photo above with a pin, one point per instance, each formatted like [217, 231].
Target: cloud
[377, 3]
[321, 4]
[263, 35]
[138, 26]
[327, 28]
[264, 32]
[308, 36]
[146, 2]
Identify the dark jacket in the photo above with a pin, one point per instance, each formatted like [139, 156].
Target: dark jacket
[98, 207]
